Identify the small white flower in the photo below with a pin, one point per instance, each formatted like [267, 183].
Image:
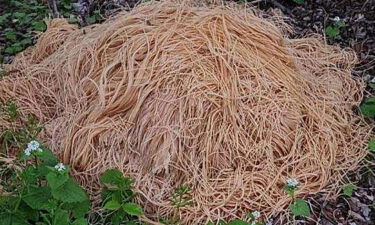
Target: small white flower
[256, 214]
[27, 151]
[292, 182]
[336, 19]
[60, 167]
[33, 145]
[39, 150]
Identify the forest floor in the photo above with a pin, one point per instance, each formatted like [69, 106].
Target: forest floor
[356, 30]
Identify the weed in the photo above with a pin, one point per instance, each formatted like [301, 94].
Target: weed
[333, 30]
[116, 197]
[299, 207]
[348, 189]
[43, 192]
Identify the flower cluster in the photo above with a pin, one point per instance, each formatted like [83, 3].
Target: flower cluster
[33, 146]
[256, 214]
[60, 167]
[291, 182]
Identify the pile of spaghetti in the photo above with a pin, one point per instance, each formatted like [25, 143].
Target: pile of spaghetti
[214, 97]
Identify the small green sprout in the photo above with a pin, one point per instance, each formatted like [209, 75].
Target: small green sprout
[334, 29]
[117, 197]
[181, 197]
[349, 189]
[299, 206]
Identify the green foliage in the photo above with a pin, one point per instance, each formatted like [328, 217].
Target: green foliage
[38, 192]
[15, 136]
[299, 1]
[368, 107]
[290, 189]
[19, 23]
[132, 209]
[348, 189]
[300, 208]
[181, 196]
[371, 145]
[95, 17]
[117, 197]
[237, 222]
[334, 29]
[44, 193]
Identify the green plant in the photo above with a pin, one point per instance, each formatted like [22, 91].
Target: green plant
[371, 145]
[95, 17]
[43, 192]
[299, 207]
[181, 197]
[19, 23]
[299, 1]
[348, 189]
[117, 195]
[333, 30]
[20, 129]
[253, 220]
[367, 107]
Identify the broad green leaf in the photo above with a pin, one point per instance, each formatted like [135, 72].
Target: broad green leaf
[112, 205]
[238, 222]
[26, 41]
[348, 189]
[133, 209]
[9, 219]
[372, 85]
[332, 31]
[19, 15]
[61, 217]
[300, 208]
[79, 209]
[30, 175]
[111, 176]
[70, 191]
[80, 221]
[118, 217]
[26, 212]
[91, 19]
[114, 180]
[38, 197]
[55, 179]
[48, 158]
[72, 20]
[371, 145]
[368, 107]
[40, 26]
[11, 35]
